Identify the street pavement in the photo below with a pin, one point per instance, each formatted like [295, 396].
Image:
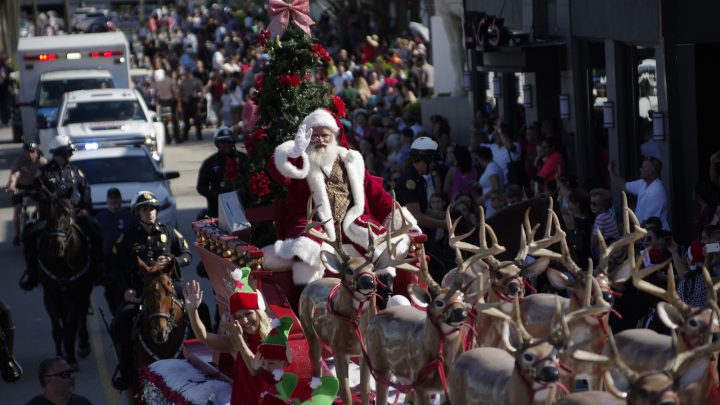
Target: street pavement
[33, 341]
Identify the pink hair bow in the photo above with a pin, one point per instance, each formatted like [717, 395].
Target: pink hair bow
[282, 12]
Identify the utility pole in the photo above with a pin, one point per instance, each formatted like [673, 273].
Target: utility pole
[67, 16]
[36, 14]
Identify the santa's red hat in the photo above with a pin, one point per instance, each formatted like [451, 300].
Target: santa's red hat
[324, 118]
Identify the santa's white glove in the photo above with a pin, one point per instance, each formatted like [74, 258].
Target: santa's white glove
[302, 140]
[416, 228]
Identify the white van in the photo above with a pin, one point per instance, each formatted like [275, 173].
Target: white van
[51, 66]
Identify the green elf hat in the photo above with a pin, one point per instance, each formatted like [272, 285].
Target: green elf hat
[244, 296]
[324, 390]
[275, 346]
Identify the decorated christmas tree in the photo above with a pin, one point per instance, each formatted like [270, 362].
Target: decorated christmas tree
[286, 93]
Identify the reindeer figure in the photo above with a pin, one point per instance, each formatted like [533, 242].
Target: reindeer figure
[413, 344]
[645, 350]
[492, 376]
[507, 279]
[331, 309]
[589, 332]
[647, 387]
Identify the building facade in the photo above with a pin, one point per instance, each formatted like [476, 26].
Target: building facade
[620, 76]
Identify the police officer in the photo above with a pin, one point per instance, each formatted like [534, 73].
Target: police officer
[64, 180]
[411, 191]
[211, 179]
[155, 244]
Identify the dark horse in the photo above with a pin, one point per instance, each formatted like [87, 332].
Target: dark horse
[161, 327]
[66, 276]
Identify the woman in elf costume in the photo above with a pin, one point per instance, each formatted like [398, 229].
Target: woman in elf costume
[274, 356]
[249, 327]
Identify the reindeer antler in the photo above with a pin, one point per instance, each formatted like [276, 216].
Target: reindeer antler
[669, 294]
[539, 248]
[335, 243]
[479, 252]
[628, 239]
[388, 258]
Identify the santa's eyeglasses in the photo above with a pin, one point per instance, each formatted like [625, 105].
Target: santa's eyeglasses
[324, 137]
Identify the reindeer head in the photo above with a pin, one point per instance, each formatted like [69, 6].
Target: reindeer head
[693, 326]
[445, 306]
[357, 274]
[648, 388]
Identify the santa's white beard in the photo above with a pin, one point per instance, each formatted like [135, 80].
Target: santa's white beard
[323, 157]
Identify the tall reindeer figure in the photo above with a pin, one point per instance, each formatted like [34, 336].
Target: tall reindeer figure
[414, 344]
[506, 279]
[492, 376]
[645, 350]
[651, 386]
[590, 333]
[331, 309]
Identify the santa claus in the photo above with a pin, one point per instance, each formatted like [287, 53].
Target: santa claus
[319, 163]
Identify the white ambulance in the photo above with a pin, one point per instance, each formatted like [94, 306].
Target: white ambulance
[51, 66]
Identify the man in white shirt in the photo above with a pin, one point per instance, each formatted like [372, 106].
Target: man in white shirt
[650, 192]
[503, 148]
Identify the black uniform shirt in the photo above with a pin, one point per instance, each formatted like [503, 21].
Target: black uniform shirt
[410, 188]
[67, 182]
[211, 179]
[135, 242]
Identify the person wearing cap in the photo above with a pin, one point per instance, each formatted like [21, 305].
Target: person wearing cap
[23, 174]
[64, 180]
[248, 327]
[113, 221]
[211, 179]
[319, 163]
[156, 244]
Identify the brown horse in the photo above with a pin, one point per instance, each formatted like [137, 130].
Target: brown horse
[160, 327]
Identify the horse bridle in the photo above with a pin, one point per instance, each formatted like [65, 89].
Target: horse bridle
[169, 317]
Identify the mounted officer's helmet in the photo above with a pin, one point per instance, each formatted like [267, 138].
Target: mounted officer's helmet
[145, 199]
[30, 146]
[223, 134]
[425, 149]
[61, 145]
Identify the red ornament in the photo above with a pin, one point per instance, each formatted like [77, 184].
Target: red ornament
[289, 79]
[259, 82]
[339, 106]
[259, 184]
[320, 52]
[263, 37]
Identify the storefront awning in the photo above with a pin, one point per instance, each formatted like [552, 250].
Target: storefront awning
[532, 57]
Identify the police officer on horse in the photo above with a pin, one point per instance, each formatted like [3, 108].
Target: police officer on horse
[157, 245]
[64, 180]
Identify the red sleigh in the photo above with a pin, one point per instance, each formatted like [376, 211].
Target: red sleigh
[221, 253]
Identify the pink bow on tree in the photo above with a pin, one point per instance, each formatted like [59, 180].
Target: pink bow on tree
[282, 12]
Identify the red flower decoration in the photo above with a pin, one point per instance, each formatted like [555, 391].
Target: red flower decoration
[320, 52]
[259, 184]
[258, 135]
[290, 80]
[339, 105]
[263, 37]
[231, 171]
[259, 82]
